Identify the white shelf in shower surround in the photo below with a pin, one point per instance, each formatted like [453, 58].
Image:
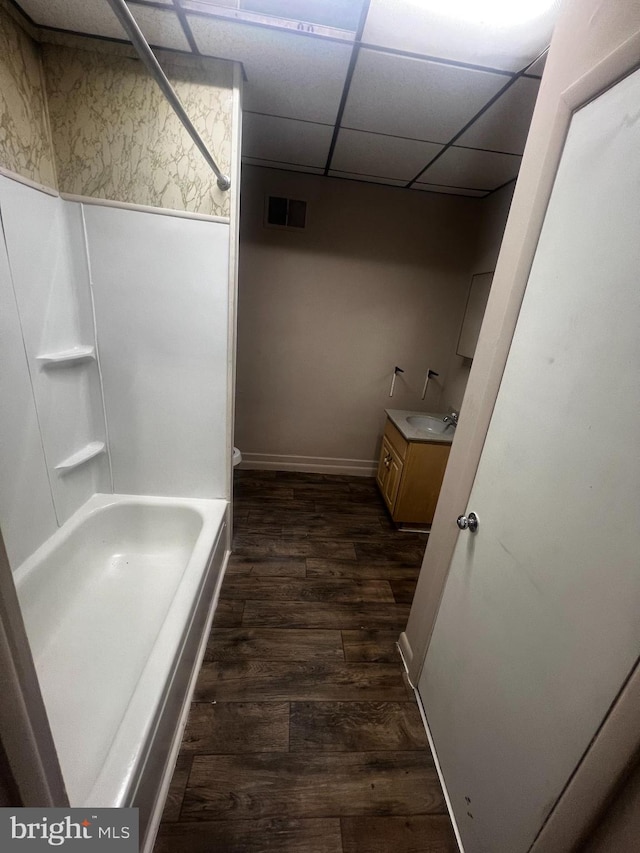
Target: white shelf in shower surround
[94, 448]
[67, 357]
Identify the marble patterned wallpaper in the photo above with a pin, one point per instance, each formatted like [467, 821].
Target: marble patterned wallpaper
[25, 145]
[116, 137]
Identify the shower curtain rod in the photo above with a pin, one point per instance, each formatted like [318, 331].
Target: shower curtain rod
[123, 13]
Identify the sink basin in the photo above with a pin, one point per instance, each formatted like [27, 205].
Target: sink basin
[428, 424]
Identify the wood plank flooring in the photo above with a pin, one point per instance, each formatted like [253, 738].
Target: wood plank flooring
[304, 736]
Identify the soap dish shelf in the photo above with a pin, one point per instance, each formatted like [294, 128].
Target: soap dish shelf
[67, 357]
[94, 448]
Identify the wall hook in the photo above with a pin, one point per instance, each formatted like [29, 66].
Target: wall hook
[396, 371]
[430, 375]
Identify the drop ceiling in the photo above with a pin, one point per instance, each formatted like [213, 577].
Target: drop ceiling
[404, 97]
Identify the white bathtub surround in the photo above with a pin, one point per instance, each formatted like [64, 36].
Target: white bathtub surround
[27, 513]
[114, 356]
[111, 603]
[117, 365]
[161, 311]
[114, 348]
[44, 242]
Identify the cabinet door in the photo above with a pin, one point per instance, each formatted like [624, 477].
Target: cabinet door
[381, 476]
[424, 471]
[392, 482]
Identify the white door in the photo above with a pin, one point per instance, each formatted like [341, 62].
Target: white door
[540, 620]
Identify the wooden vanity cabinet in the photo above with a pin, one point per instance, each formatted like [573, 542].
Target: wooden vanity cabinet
[410, 475]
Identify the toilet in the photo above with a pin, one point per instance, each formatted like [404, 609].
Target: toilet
[237, 457]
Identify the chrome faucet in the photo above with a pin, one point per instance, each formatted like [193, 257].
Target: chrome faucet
[451, 418]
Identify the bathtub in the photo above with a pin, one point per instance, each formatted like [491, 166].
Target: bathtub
[116, 606]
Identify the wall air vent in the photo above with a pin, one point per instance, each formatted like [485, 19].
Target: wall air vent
[285, 212]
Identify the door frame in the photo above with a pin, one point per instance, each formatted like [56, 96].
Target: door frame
[612, 750]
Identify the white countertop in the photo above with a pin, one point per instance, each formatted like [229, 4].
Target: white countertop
[398, 418]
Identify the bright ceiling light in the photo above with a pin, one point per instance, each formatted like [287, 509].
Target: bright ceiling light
[489, 13]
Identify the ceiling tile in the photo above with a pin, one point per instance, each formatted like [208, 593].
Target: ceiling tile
[505, 125]
[369, 179]
[414, 27]
[285, 140]
[536, 68]
[226, 4]
[438, 188]
[84, 16]
[288, 74]
[285, 167]
[410, 97]
[384, 156]
[470, 169]
[160, 27]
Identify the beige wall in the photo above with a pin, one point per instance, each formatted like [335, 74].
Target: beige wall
[25, 144]
[492, 220]
[378, 278]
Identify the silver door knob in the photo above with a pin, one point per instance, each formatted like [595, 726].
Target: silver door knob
[470, 522]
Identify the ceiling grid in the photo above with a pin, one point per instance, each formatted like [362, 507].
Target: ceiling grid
[184, 23]
[403, 99]
[347, 83]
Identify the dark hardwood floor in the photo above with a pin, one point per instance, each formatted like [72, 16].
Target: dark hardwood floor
[304, 736]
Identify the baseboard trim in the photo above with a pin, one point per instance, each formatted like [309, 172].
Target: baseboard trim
[308, 464]
[406, 653]
[432, 746]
